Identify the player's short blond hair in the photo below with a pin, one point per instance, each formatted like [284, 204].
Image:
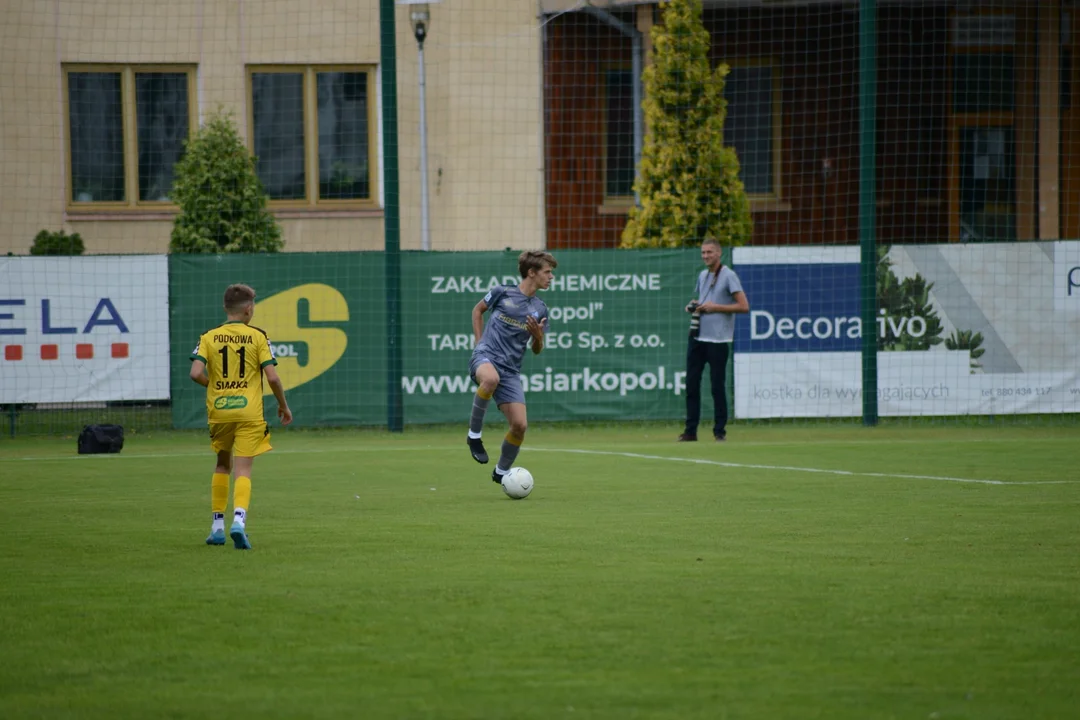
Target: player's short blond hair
[237, 297]
[535, 260]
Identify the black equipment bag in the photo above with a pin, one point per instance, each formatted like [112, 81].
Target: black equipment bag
[101, 439]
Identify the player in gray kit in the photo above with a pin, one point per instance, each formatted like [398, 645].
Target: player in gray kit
[517, 316]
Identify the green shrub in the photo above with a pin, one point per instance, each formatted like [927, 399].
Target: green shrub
[57, 243]
[223, 205]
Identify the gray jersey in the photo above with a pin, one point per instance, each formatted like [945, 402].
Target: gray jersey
[505, 337]
[719, 288]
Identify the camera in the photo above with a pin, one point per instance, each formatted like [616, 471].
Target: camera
[695, 318]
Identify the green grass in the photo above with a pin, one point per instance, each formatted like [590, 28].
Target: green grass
[391, 579]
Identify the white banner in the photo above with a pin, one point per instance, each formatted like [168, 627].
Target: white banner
[965, 330]
[909, 383]
[84, 329]
[1066, 277]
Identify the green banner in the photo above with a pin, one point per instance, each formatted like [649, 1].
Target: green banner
[324, 315]
[616, 342]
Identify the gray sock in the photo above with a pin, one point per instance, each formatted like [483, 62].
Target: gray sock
[479, 408]
[509, 452]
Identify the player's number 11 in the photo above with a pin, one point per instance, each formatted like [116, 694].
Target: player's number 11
[225, 361]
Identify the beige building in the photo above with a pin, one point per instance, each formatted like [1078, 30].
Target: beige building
[96, 97]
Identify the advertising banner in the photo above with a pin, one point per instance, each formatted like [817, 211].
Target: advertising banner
[961, 329]
[615, 346]
[325, 316]
[84, 329]
[616, 340]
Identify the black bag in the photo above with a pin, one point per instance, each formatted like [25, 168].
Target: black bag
[101, 439]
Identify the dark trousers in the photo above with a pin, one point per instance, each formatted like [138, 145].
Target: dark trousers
[716, 356]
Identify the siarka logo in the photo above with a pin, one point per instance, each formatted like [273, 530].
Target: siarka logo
[303, 326]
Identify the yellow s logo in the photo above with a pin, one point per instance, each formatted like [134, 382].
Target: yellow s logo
[299, 323]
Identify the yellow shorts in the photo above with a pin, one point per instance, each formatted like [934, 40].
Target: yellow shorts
[245, 439]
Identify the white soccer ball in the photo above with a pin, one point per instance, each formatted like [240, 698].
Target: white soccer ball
[517, 483]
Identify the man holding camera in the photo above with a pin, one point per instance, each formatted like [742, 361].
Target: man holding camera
[712, 328]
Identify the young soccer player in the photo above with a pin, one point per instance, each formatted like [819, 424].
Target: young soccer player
[230, 362]
[517, 316]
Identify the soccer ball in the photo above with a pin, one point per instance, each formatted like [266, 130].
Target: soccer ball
[517, 483]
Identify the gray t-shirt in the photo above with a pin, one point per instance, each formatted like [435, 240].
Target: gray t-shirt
[719, 288]
[505, 337]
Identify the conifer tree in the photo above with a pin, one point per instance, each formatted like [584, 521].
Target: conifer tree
[688, 181]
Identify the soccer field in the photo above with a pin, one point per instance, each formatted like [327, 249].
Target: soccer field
[793, 572]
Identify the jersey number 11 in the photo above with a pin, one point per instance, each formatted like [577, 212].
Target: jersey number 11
[225, 361]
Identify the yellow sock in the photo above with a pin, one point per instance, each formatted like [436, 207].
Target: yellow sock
[241, 498]
[219, 493]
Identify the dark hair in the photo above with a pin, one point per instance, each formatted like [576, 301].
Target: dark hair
[535, 260]
[237, 297]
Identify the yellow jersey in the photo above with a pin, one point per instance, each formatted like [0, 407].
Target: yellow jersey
[235, 354]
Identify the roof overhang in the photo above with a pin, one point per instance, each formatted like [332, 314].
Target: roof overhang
[557, 6]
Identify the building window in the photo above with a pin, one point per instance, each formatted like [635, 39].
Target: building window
[985, 101]
[126, 128]
[277, 104]
[619, 131]
[752, 125]
[987, 184]
[1065, 99]
[312, 133]
[984, 82]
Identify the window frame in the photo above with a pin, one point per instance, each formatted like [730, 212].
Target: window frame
[130, 129]
[956, 121]
[1069, 208]
[612, 201]
[777, 155]
[310, 71]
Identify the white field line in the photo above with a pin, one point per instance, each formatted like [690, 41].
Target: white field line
[638, 456]
[788, 468]
[209, 454]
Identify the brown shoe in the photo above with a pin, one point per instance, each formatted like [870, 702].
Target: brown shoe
[688, 437]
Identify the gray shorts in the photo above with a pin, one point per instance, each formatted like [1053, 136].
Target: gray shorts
[509, 389]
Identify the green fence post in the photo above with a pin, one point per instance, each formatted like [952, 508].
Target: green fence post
[867, 204]
[395, 420]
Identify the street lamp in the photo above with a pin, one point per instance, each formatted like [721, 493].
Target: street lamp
[420, 18]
